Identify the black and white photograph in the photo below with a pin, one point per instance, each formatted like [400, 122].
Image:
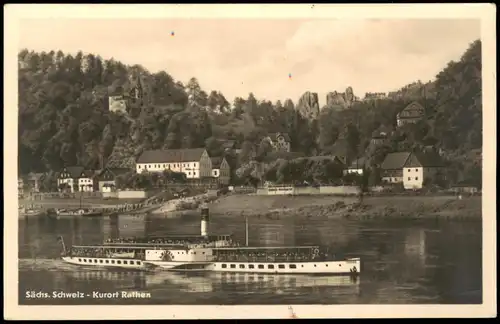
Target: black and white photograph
[272, 157]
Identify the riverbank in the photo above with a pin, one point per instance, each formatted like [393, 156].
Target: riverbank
[386, 207]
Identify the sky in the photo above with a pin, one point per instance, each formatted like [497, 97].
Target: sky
[273, 58]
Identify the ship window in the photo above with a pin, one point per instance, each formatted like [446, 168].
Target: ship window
[194, 252]
[100, 261]
[250, 266]
[112, 261]
[95, 260]
[79, 260]
[203, 252]
[119, 262]
[224, 266]
[138, 262]
[233, 266]
[107, 261]
[314, 265]
[270, 266]
[281, 266]
[125, 262]
[242, 266]
[261, 266]
[84, 260]
[292, 266]
[326, 265]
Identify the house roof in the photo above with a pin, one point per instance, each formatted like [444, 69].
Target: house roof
[170, 156]
[228, 144]
[413, 109]
[274, 136]
[75, 171]
[358, 163]
[114, 171]
[429, 159]
[395, 160]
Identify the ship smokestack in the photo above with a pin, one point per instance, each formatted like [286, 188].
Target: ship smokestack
[205, 217]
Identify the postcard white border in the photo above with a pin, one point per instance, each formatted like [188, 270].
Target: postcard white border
[12, 15]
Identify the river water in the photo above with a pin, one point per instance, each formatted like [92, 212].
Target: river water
[403, 262]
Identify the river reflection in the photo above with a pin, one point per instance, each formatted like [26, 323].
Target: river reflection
[402, 262]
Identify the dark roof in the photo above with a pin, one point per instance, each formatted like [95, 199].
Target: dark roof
[274, 136]
[170, 156]
[75, 171]
[395, 160]
[216, 162]
[429, 159]
[358, 163]
[114, 171]
[414, 109]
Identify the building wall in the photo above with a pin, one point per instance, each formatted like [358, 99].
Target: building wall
[413, 178]
[130, 194]
[191, 169]
[205, 168]
[85, 184]
[225, 172]
[117, 104]
[103, 182]
[69, 181]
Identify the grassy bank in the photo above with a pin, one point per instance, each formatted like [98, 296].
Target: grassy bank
[423, 207]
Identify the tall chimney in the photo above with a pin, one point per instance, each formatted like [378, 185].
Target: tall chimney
[205, 217]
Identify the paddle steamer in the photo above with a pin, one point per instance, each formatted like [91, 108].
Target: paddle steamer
[211, 253]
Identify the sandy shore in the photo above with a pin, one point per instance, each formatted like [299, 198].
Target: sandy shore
[420, 207]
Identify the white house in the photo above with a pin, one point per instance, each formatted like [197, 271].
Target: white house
[221, 170]
[76, 178]
[194, 163]
[411, 169]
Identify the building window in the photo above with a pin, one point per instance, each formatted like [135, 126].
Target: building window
[270, 266]
[409, 170]
[281, 266]
[224, 266]
[292, 266]
[409, 178]
[416, 170]
[261, 266]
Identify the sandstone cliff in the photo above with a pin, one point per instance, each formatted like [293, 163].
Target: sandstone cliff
[308, 105]
[340, 100]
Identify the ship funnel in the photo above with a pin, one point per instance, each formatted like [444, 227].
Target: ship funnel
[205, 217]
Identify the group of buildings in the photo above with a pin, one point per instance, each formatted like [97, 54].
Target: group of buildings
[195, 163]
[411, 169]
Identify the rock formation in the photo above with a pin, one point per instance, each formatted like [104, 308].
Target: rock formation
[308, 105]
[340, 100]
